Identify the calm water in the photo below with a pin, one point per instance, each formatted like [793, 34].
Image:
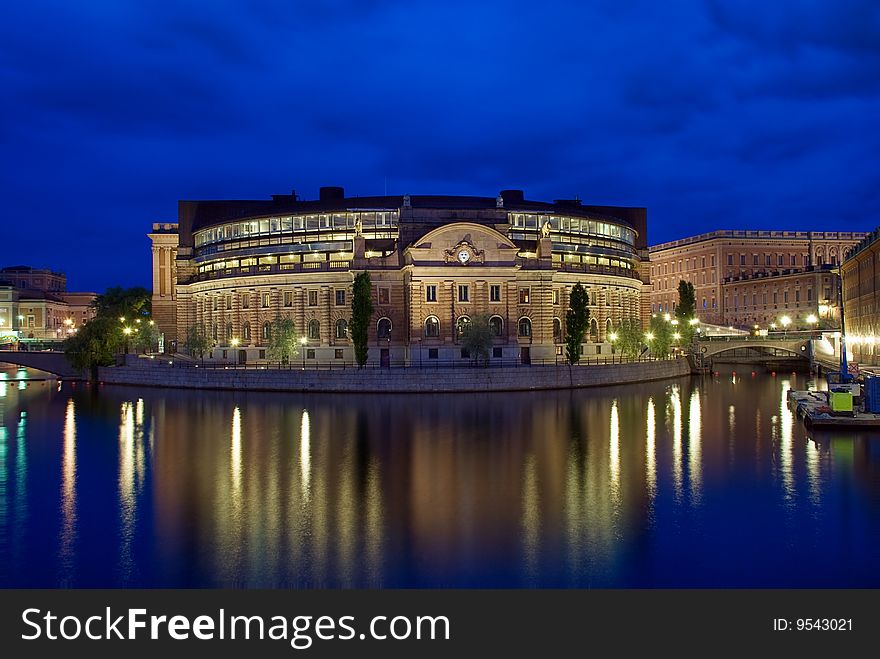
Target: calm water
[679, 483]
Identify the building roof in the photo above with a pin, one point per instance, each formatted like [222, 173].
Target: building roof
[759, 235]
[201, 214]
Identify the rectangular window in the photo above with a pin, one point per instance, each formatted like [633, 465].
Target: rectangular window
[797, 296]
[809, 295]
[495, 293]
[430, 293]
[384, 296]
[310, 353]
[228, 302]
[497, 353]
[432, 353]
[785, 297]
[827, 293]
[313, 298]
[465, 353]
[754, 259]
[775, 297]
[288, 298]
[742, 259]
[779, 259]
[265, 300]
[337, 353]
[556, 296]
[31, 321]
[261, 354]
[703, 262]
[766, 259]
[462, 293]
[713, 260]
[730, 259]
[340, 298]
[245, 301]
[524, 295]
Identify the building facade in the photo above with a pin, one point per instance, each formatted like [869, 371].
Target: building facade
[435, 262]
[35, 306]
[861, 294]
[744, 278]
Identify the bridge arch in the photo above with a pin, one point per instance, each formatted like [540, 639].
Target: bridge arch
[51, 362]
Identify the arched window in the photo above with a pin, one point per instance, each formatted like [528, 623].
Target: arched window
[314, 329]
[246, 331]
[462, 326]
[341, 329]
[525, 327]
[608, 328]
[557, 330]
[383, 328]
[267, 330]
[432, 327]
[594, 331]
[496, 325]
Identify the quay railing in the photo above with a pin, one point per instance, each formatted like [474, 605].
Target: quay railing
[425, 364]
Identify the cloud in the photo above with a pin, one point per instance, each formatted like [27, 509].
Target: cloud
[711, 113]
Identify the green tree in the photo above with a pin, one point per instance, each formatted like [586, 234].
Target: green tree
[94, 344]
[145, 336]
[630, 338]
[361, 313]
[197, 342]
[477, 339]
[128, 303]
[283, 340]
[661, 337]
[686, 311]
[577, 323]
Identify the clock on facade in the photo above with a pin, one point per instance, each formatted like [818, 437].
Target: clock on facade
[464, 256]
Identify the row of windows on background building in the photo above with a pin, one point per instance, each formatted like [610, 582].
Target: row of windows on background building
[766, 261]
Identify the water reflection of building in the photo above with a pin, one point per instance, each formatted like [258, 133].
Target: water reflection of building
[435, 262]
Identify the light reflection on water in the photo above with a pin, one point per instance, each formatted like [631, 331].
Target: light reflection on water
[660, 484]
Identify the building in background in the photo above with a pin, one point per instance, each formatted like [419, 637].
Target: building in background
[747, 278]
[35, 306]
[861, 295]
[232, 267]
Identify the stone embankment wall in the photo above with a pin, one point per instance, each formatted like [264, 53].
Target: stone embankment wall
[156, 373]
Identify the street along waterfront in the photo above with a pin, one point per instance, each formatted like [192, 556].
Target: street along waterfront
[683, 482]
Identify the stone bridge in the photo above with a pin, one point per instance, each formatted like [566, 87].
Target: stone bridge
[756, 348]
[50, 362]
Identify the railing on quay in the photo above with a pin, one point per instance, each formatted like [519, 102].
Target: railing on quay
[426, 364]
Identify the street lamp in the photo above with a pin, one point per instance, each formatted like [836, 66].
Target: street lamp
[122, 319]
[812, 319]
[302, 342]
[676, 336]
[234, 343]
[785, 321]
[612, 337]
[694, 321]
[126, 331]
[649, 336]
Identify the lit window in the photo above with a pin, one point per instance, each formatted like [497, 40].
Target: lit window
[384, 296]
[462, 326]
[314, 329]
[265, 300]
[496, 325]
[525, 327]
[524, 295]
[288, 298]
[341, 329]
[432, 327]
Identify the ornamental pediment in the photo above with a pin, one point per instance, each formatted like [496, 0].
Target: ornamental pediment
[463, 243]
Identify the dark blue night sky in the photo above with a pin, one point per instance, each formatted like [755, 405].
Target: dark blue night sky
[713, 114]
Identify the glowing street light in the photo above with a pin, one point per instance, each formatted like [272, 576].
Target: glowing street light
[126, 330]
[649, 336]
[772, 325]
[234, 343]
[786, 321]
[667, 317]
[674, 322]
[676, 336]
[612, 337]
[811, 319]
[122, 319]
[302, 342]
[693, 321]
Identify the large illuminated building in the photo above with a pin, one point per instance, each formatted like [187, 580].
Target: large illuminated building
[436, 262]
